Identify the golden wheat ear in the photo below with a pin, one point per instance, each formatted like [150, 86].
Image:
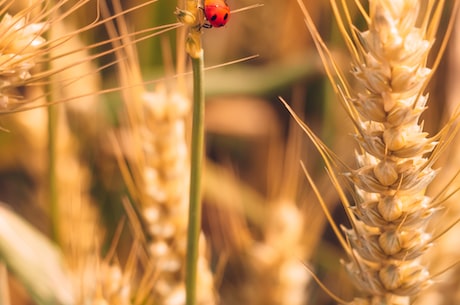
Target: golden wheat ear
[38, 51]
[390, 211]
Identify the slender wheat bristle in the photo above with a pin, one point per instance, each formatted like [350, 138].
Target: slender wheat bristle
[446, 186]
[391, 212]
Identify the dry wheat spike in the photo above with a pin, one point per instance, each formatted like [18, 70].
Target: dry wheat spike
[391, 210]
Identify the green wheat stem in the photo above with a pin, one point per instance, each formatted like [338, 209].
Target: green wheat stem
[194, 217]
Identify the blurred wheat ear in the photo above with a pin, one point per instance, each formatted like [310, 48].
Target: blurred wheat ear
[390, 212]
[43, 62]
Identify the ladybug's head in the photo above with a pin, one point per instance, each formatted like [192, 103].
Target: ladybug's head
[217, 14]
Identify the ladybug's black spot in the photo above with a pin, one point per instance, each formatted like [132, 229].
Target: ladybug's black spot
[213, 17]
[226, 16]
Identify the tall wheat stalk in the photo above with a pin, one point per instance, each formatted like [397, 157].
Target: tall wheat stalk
[390, 211]
[159, 175]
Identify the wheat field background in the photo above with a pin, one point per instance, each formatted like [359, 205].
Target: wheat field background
[96, 120]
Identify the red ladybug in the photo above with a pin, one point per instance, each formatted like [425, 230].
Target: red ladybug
[217, 12]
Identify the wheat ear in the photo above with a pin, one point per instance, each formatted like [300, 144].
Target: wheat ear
[20, 42]
[391, 210]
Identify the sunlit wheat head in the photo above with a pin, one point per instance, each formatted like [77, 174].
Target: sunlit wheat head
[390, 211]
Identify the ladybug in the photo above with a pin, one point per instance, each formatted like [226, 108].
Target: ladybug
[217, 12]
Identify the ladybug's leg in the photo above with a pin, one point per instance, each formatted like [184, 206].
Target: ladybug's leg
[205, 25]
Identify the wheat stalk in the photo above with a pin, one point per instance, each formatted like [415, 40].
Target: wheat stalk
[391, 210]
